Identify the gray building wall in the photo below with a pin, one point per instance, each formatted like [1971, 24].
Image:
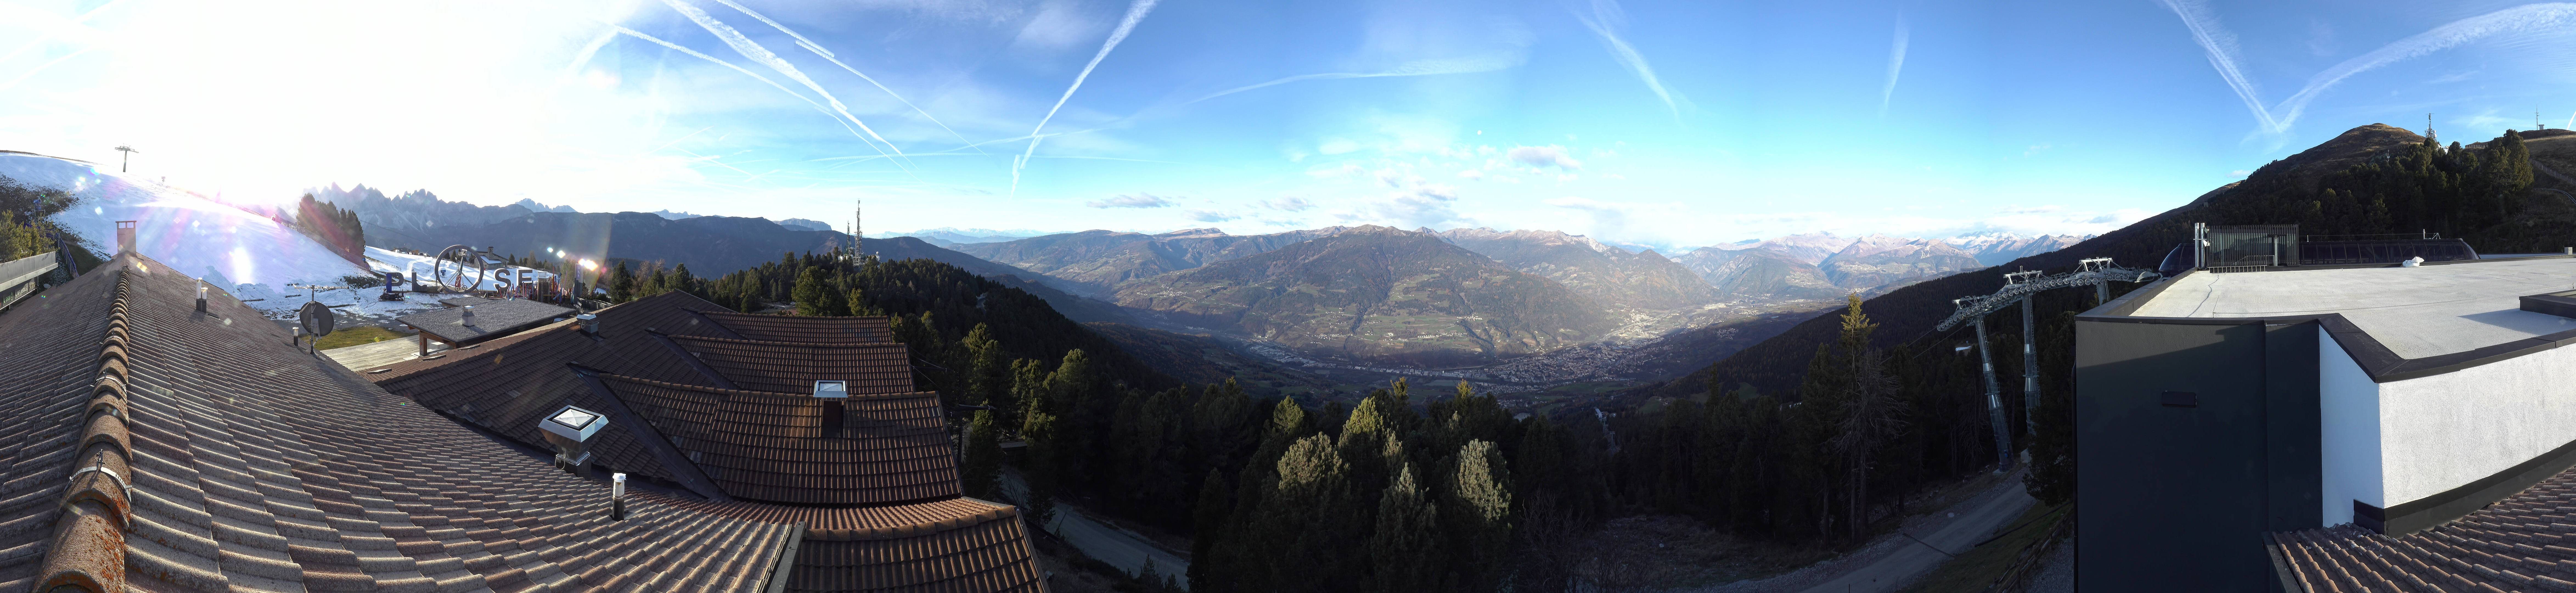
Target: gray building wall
[2177, 490]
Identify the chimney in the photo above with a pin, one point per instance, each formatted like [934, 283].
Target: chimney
[569, 429]
[589, 323]
[124, 236]
[469, 316]
[201, 297]
[832, 393]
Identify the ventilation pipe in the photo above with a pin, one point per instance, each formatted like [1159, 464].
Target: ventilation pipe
[201, 298]
[617, 496]
[469, 316]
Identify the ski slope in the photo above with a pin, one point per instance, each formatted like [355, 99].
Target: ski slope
[250, 255]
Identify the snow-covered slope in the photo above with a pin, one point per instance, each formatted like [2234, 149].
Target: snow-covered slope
[252, 256]
[198, 236]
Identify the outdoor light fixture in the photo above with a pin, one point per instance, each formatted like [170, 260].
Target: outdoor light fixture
[569, 429]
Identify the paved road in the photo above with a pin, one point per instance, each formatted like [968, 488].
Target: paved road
[1978, 519]
[1106, 543]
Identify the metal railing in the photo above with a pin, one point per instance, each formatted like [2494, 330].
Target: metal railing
[19, 278]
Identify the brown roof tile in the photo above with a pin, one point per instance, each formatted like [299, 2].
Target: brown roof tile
[798, 328]
[2516, 544]
[771, 446]
[793, 367]
[256, 466]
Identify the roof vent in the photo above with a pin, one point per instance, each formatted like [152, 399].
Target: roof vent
[589, 323]
[569, 429]
[617, 496]
[201, 298]
[832, 393]
[469, 317]
[832, 389]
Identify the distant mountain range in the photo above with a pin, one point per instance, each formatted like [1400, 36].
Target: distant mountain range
[948, 236]
[1614, 277]
[1098, 262]
[1996, 249]
[1366, 295]
[1380, 294]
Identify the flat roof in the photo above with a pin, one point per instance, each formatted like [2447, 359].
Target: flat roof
[2416, 312]
[492, 319]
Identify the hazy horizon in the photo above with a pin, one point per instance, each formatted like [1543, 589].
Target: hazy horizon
[1654, 123]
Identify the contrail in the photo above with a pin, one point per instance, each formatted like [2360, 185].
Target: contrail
[1606, 16]
[588, 50]
[753, 51]
[1135, 13]
[1413, 68]
[745, 72]
[2221, 47]
[2529, 18]
[76, 24]
[1895, 65]
[41, 67]
[827, 55]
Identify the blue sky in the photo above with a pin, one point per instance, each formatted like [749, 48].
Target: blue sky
[1663, 123]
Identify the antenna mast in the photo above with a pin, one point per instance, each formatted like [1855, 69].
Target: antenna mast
[2428, 125]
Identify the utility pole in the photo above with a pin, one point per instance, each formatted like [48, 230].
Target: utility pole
[128, 159]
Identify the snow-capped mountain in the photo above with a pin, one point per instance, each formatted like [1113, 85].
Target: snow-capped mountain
[1812, 248]
[1997, 248]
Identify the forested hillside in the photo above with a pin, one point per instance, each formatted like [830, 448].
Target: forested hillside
[1751, 462]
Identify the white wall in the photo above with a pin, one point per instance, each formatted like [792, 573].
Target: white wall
[2350, 414]
[2444, 431]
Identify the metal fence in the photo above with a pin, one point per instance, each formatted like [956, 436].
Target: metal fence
[21, 277]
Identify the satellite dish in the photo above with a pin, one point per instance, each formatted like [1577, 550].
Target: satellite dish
[316, 318]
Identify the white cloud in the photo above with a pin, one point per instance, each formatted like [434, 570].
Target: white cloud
[1471, 174]
[1209, 216]
[1545, 156]
[1131, 201]
[1289, 204]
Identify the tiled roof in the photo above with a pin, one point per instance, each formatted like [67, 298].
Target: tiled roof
[772, 446]
[52, 345]
[795, 328]
[793, 367]
[493, 318]
[867, 549]
[255, 466]
[2526, 542]
[670, 421]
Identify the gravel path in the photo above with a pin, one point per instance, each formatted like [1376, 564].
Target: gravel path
[1896, 559]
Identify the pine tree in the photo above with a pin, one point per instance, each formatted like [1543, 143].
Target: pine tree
[1287, 418]
[1480, 500]
[1309, 509]
[814, 295]
[988, 379]
[1405, 546]
[1216, 502]
[1046, 462]
[621, 284]
[981, 472]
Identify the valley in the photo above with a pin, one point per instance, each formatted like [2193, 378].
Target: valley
[1544, 319]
